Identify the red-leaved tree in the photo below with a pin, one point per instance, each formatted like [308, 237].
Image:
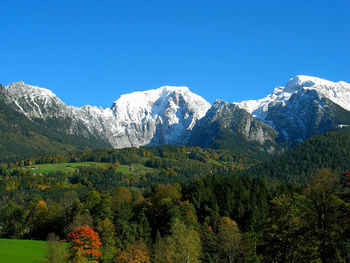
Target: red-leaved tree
[85, 242]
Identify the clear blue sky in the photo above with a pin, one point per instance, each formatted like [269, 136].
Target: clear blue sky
[91, 52]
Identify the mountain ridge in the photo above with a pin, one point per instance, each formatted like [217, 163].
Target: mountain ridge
[304, 107]
[132, 120]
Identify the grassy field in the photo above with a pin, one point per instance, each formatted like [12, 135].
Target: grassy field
[71, 167]
[21, 251]
[135, 169]
[62, 167]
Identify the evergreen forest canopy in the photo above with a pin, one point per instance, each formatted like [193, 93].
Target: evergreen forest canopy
[185, 204]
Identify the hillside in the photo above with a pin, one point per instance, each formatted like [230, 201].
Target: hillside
[329, 150]
[106, 169]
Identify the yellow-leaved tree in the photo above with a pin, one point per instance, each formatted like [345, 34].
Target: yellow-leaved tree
[137, 252]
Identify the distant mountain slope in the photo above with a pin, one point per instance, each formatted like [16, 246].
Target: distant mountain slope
[329, 150]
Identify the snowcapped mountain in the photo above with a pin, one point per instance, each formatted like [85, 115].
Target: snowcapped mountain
[34, 102]
[160, 116]
[305, 106]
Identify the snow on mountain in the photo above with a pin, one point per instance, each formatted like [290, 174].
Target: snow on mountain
[337, 92]
[159, 116]
[304, 107]
[32, 101]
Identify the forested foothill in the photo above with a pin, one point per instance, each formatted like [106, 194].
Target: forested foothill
[183, 204]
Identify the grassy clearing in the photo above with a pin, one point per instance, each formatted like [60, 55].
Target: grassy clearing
[212, 161]
[62, 167]
[136, 168]
[71, 167]
[22, 251]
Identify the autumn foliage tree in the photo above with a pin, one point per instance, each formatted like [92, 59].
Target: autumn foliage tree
[135, 253]
[85, 242]
[38, 220]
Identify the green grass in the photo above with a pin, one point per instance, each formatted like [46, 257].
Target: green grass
[62, 167]
[21, 251]
[70, 167]
[136, 169]
[212, 161]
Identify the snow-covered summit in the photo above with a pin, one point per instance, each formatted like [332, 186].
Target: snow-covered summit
[337, 92]
[31, 100]
[139, 98]
[20, 89]
[155, 101]
[303, 81]
[168, 111]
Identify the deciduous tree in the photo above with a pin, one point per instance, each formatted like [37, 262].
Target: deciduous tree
[229, 239]
[137, 252]
[84, 241]
[183, 245]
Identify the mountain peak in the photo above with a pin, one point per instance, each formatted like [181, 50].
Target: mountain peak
[337, 92]
[21, 89]
[174, 88]
[18, 83]
[160, 115]
[303, 81]
[141, 96]
[219, 103]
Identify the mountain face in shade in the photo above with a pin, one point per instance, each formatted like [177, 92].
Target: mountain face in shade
[228, 126]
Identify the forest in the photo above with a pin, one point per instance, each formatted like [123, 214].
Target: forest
[183, 204]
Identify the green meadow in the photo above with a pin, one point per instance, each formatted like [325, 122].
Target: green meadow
[21, 251]
[71, 167]
[62, 167]
[135, 168]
